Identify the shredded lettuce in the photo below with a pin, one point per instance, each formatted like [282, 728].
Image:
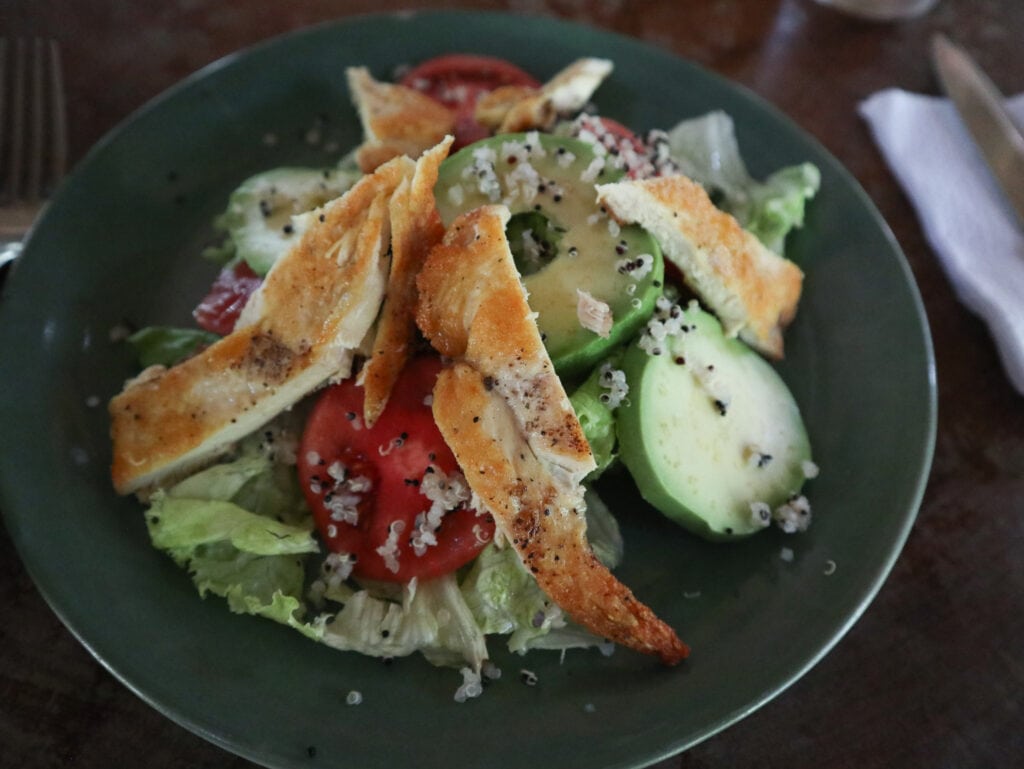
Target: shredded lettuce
[242, 531]
[706, 150]
[165, 345]
[429, 616]
[176, 523]
[505, 599]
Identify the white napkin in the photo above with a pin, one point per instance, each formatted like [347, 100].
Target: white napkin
[964, 215]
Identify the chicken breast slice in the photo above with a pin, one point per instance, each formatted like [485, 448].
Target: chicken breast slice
[517, 108]
[396, 120]
[752, 290]
[416, 227]
[473, 307]
[297, 332]
[504, 413]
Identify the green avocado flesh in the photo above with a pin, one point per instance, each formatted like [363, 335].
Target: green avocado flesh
[259, 213]
[710, 429]
[563, 243]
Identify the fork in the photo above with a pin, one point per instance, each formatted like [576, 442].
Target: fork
[33, 135]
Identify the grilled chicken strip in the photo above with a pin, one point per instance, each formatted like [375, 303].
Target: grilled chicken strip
[416, 227]
[504, 412]
[297, 332]
[518, 108]
[753, 290]
[397, 120]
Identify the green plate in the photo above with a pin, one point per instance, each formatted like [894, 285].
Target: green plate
[120, 242]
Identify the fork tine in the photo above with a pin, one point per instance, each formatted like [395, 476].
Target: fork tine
[34, 177]
[33, 124]
[59, 160]
[3, 93]
[17, 121]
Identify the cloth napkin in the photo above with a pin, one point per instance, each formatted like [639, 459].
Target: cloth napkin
[965, 217]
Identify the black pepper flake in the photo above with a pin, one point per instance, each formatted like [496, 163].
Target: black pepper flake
[763, 460]
[721, 406]
[476, 419]
[323, 218]
[288, 229]
[488, 383]
[680, 360]
[385, 633]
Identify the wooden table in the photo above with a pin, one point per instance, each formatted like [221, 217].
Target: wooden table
[931, 676]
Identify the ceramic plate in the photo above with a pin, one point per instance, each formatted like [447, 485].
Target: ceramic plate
[120, 242]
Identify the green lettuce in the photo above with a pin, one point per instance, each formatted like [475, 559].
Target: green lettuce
[706, 150]
[429, 616]
[242, 531]
[505, 599]
[177, 524]
[166, 346]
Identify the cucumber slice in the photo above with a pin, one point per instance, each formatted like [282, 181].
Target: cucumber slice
[572, 257]
[258, 219]
[710, 433]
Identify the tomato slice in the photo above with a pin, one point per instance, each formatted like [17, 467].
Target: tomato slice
[458, 80]
[220, 308]
[391, 495]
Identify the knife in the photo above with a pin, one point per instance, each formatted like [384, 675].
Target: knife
[981, 108]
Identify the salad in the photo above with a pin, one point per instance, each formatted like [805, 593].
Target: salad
[345, 508]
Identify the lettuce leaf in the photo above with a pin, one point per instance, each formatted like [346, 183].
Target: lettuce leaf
[431, 617]
[165, 345]
[242, 531]
[180, 524]
[706, 150]
[505, 599]
[269, 586]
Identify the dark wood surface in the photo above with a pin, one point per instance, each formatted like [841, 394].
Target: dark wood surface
[933, 673]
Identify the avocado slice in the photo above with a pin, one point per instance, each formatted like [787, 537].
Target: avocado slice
[258, 218]
[574, 260]
[710, 433]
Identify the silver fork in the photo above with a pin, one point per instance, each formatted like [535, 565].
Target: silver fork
[33, 135]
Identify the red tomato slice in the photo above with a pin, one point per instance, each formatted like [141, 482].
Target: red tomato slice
[219, 310]
[368, 488]
[458, 80]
